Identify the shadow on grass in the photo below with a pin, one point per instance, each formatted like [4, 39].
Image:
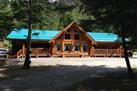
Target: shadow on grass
[80, 78]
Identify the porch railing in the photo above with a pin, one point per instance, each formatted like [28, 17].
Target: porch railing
[94, 53]
[71, 53]
[34, 52]
[19, 53]
[107, 52]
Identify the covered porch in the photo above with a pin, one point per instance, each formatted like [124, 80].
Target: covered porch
[43, 52]
[38, 49]
[107, 52]
[35, 52]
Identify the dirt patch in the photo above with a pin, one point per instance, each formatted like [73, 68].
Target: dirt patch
[68, 74]
[116, 81]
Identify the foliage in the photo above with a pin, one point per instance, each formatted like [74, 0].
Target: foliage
[7, 44]
[42, 14]
[45, 15]
[65, 10]
[113, 13]
[5, 18]
[122, 15]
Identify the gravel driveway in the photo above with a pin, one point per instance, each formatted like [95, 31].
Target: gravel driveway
[108, 62]
[63, 73]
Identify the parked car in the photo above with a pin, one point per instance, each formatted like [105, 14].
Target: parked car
[4, 52]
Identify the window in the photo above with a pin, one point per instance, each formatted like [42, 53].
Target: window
[67, 47]
[85, 47]
[58, 46]
[67, 36]
[76, 37]
[76, 47]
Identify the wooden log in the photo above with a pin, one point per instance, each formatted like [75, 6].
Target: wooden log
[36, 53]
[23, 50]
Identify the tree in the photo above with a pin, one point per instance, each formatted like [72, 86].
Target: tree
[38, 14]
[63, 8]
[5, 17]
[121, 14]
[29, 13]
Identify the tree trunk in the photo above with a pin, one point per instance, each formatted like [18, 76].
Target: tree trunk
[28, 51]
[130, 71]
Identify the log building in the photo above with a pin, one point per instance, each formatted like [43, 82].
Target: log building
[71, 41]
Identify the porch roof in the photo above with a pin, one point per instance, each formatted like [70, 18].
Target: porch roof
[50, 34]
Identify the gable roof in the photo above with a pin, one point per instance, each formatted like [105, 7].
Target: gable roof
[63, 30]
[50, 35]
[36, 34]
[74, 24]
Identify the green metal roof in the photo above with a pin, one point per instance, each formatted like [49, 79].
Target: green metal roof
[104, 37]
[36, 34]
[49, 34]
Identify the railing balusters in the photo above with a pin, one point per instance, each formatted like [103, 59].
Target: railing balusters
[106, 52]
[95, 52]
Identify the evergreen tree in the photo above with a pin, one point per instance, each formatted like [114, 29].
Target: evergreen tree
[121, 14]
[29, 14]
[5, 17]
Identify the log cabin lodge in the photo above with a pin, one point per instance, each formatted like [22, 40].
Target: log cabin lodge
[72, 41]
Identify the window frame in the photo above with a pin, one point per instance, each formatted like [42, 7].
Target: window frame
[67, 36]
[85, 47]
[77, 46]
[66, 46]
[76, 37]
[58, 47]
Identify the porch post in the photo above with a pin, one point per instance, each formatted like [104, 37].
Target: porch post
[36, 51]
[120, 54]
[81, 49]
[120, 51]
[62, 49]
[90, 49]
[52, 49]
[23, 50]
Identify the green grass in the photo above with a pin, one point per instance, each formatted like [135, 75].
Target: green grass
[116, 81]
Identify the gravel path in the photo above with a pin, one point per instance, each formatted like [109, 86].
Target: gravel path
[64, 73]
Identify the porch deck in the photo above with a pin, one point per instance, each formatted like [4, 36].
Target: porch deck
[107, 52]
[38, 52]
